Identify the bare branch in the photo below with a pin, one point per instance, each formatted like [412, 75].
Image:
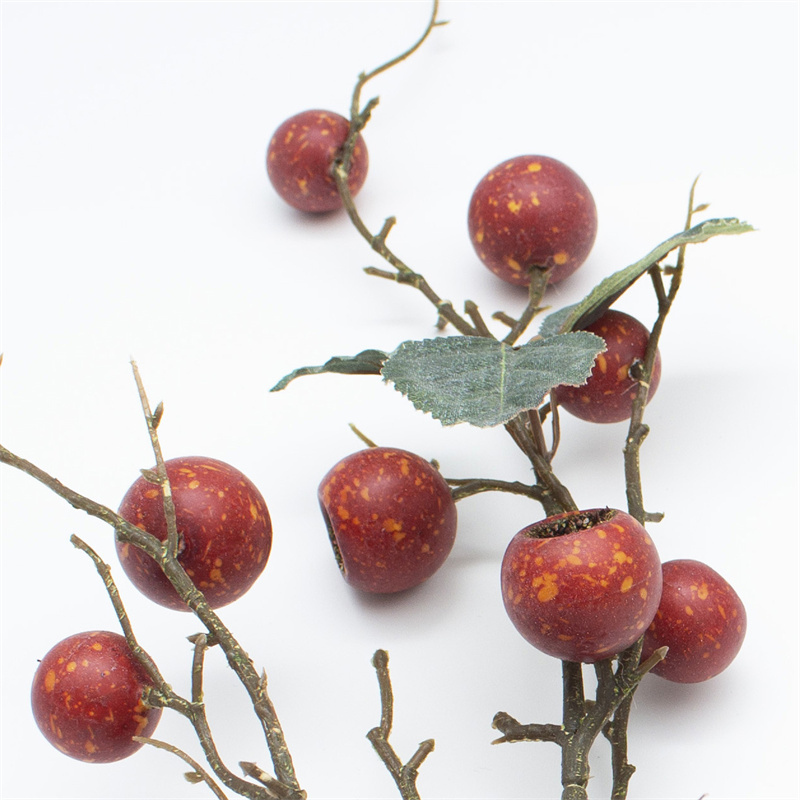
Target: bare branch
[405, 775]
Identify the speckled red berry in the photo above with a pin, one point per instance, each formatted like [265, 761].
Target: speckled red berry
[87, 698]
[532, 211]
[700, 618]
[582, 586]
[224, 531]
[390, 516]
[608, 394]
[300, 155]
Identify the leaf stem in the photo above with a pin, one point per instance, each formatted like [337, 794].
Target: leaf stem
[467, 487]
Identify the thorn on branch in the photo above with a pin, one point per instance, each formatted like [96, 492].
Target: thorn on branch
[514, 731]
[155, 419]
[381, 273]
[471, 310]
[656, 657]
[276, 789]
[380, 239]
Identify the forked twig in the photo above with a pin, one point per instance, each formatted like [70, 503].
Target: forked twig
[198, 774]
[405, 775]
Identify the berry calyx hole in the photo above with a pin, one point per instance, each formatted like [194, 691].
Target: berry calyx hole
[332, 538]
[571, 522]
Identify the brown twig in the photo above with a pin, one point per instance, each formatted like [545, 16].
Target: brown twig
[162, 695]
[340, 171]
[405, 775]
[637, 430]
[583, 721]
[235, 653]
[197, 775]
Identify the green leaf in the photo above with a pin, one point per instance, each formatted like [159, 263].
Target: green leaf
[602, 297]
[367, 362]
[485, 382]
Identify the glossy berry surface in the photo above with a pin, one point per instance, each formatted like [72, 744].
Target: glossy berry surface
[532, 211]
[700, 618]
[224, 531]
[390, 516]
[608, 394]
[87, 698]
[299, 158]
[582, 586]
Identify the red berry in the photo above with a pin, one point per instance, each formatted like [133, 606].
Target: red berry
[87, 698]
[700, 618]
[300, 155]
[532, 211]
[608, 394]
[582, 586]
[224, 530]
[391, 518]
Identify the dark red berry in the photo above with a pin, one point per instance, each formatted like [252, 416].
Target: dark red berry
[532, 211]
[582, 586]
[300, 155]
[224, 529]
[608, 394]
[700, 618]
[390, 516]
[87, 698]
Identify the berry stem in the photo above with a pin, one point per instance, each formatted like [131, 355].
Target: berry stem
[536, 289]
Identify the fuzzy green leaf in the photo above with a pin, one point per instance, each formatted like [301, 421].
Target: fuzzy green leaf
[607, 291]
[483, 381]
[367, 362]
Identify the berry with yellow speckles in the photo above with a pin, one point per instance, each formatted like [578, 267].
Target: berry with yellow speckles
[608, 394]
[582, 586]
[700, 618]
[224, 531]
[87, 698]
[532, 211]
[391, 518]
[299, 158]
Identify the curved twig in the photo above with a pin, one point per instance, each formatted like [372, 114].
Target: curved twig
[340, 170]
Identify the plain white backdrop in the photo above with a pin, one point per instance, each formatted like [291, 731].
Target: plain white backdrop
[137, 221]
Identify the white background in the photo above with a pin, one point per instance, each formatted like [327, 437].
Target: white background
[138, 222]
